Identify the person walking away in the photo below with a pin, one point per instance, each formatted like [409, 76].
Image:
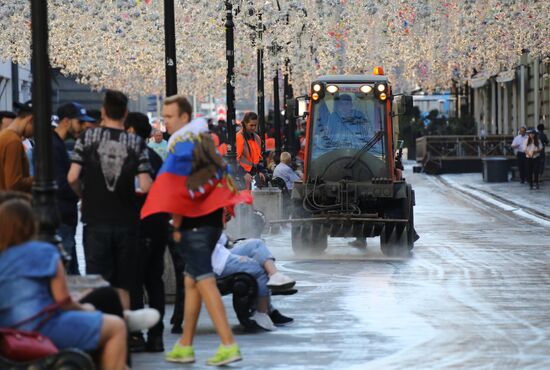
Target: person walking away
[544, 141]
[32, 277]
[71, 124]
[194, 186]
[109, 159]
[518, 144]
[153, 238]
[532, 149]
[249, 149]
[14, 163]
[159, 145]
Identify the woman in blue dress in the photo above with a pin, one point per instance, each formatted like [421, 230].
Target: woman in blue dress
[32, 277]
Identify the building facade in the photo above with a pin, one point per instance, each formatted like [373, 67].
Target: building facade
[511, 99]
[15, 84]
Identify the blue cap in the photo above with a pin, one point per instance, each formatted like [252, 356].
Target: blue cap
[82, 114]
[74, 110]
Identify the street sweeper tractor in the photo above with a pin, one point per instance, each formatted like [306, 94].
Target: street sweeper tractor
[353, 183]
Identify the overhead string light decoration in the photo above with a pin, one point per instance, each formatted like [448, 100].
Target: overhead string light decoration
[426, 44]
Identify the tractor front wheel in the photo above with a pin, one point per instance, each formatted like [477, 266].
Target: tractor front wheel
[308, 239]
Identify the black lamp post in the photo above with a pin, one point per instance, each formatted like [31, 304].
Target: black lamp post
[290, 125]
[170, 48]
[44, 186]
[261, 92]
[230, 82]
[277, 115]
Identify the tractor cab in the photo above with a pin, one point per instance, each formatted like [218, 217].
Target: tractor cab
[348, 128]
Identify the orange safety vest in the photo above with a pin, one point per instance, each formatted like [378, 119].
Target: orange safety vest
[249, 152]
[302, 151]
[216, 138]
[269, 143]
[222, 148]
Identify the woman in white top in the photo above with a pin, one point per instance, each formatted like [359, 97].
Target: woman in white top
[532, 149]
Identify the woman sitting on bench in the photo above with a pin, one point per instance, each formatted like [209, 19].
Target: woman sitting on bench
[252, 257]
[32, 277]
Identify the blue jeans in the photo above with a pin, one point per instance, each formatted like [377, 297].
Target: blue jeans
[67, 234]
[249, 256]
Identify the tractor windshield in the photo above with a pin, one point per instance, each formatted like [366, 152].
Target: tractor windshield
[348, 119]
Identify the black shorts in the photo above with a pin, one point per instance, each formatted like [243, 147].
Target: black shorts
[112, 252]
[196, 247]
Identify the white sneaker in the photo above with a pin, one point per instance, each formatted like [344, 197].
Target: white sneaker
[280, 281]
[141, 319]
[263, 321]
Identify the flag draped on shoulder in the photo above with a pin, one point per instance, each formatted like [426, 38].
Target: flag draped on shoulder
[193, 180]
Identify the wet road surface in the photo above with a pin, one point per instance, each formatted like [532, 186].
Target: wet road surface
[474, 294]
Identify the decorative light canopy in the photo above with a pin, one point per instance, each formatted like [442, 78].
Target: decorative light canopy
[423, 43]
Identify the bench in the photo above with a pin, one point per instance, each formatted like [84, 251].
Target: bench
[244, 289]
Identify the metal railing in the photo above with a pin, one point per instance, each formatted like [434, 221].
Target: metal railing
[450, 147]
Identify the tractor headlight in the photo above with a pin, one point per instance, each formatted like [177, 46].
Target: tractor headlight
[366, 89]
[315, 96]
[332, 89]
[317, 88]
[382, 96]
[381, 88]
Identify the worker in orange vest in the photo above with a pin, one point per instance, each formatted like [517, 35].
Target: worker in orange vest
[302, 152]
[249, 149]
[269, 143]
[222, 148]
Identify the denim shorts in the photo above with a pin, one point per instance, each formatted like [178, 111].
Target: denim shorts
[196, 247]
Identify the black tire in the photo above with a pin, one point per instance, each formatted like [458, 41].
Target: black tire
[397, 241]
[72, 360]
[308, 239]
[245, 291]
[393, 242]
[411, 233]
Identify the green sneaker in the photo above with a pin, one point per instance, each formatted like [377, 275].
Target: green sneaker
[225, 355]
[181, 354]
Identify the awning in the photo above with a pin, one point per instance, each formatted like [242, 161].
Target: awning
[506, 76]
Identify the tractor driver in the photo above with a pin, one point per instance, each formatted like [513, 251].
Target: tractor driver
[348, 127]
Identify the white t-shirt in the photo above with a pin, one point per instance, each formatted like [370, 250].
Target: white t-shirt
[220, 255]
[528, 149]
[519, 143]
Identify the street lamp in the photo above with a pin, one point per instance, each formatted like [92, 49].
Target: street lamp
[290, 123]
[260, 95]
[44, 186]
[230, 83]
[277, 115]
[170, 48]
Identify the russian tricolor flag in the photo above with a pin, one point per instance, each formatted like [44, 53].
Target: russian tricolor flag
[170, 194]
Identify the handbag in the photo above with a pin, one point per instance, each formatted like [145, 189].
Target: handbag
[23, 345]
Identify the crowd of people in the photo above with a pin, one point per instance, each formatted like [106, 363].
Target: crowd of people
[116, 173]
[529, 146]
